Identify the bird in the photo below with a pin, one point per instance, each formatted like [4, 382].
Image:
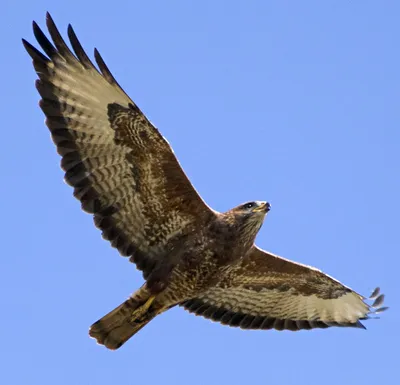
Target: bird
[125, 174]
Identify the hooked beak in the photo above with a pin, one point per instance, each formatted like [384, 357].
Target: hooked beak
[264, 207]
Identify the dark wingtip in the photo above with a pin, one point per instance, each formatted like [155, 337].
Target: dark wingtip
[49, 19]
[34, 53]
[71, 35]
[376, 306]
[378, 301]
[375, 293]
[98, 58]
[44, 42]
[97, 55]
[36, 28]
[70, 31]
[360, 325]
[78, 49]
[28, 46]
[103, 67]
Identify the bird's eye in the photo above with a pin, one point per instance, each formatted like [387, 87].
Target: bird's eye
[249, 205]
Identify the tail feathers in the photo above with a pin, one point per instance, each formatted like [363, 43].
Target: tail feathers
[116, 327]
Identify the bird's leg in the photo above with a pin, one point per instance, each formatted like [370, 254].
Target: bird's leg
[142, 310]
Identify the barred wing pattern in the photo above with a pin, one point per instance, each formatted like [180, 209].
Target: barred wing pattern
[268, 292]
[121, 168]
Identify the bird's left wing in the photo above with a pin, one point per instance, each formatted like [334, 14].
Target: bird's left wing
[268, 292]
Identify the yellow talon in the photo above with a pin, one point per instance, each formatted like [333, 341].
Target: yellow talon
[142, 310]
[149, 302]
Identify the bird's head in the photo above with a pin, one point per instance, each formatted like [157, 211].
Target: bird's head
[256, 209]
[250, 216]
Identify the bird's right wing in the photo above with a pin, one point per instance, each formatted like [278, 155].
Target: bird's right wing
[266, 291]
[121, 168]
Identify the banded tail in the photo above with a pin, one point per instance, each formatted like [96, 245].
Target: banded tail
[116, 327]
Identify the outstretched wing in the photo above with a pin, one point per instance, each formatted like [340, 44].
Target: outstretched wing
[123, 171]
[266, 291]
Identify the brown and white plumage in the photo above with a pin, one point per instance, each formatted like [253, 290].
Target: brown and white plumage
[266, 291]
[125, 173]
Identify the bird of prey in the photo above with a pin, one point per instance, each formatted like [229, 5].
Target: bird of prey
[126, 175]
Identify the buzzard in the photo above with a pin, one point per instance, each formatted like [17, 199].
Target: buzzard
[125, 174]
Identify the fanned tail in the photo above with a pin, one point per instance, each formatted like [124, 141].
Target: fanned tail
[116, 327]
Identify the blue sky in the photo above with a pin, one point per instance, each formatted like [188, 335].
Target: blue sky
[287, 101]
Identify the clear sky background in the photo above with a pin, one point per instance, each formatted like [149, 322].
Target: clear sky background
[294, 102]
